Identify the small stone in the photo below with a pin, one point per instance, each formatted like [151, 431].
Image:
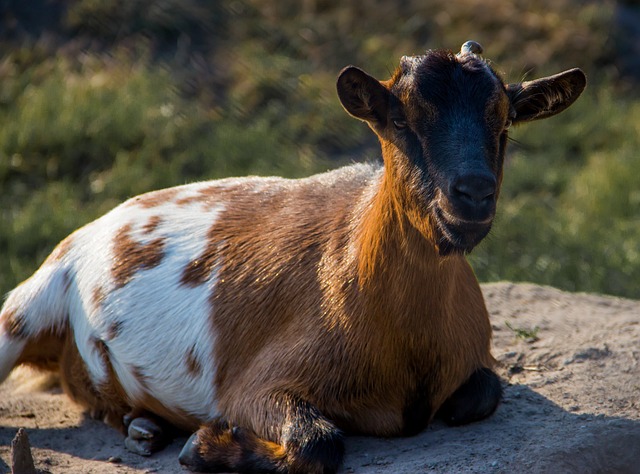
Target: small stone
[21, 459]
[114, 459]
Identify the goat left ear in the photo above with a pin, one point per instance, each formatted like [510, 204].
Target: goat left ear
[363, 96]
[547, 96]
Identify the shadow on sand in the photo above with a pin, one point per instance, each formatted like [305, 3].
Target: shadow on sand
[529, 433]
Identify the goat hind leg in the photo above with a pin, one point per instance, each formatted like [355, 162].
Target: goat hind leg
[146, 433]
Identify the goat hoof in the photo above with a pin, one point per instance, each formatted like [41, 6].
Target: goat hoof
[190, 455]
[145, 437]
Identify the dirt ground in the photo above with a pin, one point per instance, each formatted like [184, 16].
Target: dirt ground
[569, 364]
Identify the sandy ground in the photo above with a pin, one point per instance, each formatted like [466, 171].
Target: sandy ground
[571, 405]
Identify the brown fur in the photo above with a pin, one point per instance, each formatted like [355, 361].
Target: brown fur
[410, 334]
[231, 447]
[203, 196]
[14, 323]
[147, 402]
[193, 364]
[152, 224]
[43, 351]
[199, 270]
[114, 330]
[154, 198]
[130, 256]
[108, 401]
[97, 297]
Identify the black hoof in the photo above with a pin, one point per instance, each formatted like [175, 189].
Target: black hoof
[145, 436]
[190, 455]
[475, 400]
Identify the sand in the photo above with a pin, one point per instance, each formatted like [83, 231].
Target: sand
[570, 370]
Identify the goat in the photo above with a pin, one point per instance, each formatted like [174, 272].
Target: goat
[274, 315]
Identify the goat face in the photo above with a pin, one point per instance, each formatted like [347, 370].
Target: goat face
[442, 120]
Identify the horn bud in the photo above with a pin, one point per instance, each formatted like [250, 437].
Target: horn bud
[471, 47]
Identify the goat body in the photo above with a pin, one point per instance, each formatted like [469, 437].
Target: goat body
[276, 314]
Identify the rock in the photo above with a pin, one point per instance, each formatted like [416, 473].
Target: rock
[21, 459]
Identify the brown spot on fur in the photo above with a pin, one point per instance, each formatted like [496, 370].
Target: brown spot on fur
[140, 376]
[152, 224]
[210, 194]
[221, 237]
[114, 330]
[131, 256]
[97, 297]
[193, 364]
[14, 324]
[186, 201]
[197, 271]
[154, 198]
[102, 349]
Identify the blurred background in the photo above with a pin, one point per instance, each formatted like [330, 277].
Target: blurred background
[101, 100]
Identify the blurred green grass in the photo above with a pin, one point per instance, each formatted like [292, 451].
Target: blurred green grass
[103, 100]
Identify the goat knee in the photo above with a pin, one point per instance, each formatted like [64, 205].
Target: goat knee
[304, 442]
[221, 447]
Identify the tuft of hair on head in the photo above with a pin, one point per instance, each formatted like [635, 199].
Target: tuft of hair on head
[470, 47]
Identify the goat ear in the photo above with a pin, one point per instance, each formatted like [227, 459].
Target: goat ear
[547, 96]
[363, 96]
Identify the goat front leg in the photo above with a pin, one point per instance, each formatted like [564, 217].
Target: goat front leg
[300, 440]
[474, 400]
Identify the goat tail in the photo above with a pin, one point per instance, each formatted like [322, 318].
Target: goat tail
[36, 308]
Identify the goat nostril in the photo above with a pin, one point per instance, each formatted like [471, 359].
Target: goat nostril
[475, 189]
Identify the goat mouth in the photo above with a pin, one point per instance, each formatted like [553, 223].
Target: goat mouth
[457, 235]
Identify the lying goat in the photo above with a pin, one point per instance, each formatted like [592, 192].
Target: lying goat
[273, 315]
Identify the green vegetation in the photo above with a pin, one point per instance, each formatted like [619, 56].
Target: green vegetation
[527, 335]
[102, 100]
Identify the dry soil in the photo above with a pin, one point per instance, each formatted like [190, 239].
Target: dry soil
[569, 364]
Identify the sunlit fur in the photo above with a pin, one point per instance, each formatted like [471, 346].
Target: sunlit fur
[278, 314]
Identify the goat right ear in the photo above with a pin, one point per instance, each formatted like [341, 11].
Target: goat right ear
[546, 97]
[363, 96]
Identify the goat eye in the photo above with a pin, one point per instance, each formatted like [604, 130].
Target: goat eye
[400, 124]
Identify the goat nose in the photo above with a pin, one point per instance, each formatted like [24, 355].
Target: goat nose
[474, 188]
